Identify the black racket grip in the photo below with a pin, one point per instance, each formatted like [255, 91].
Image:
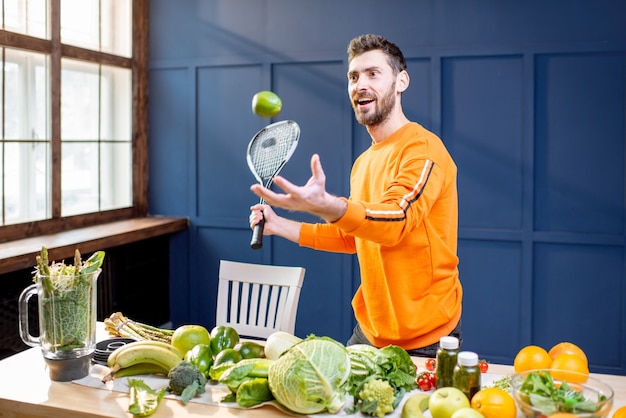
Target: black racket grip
[257, 235]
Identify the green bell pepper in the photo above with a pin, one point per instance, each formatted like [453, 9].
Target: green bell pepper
[250, 349]
[223, 337]
[201, 356]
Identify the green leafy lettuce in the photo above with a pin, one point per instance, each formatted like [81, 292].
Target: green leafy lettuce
[550, 398]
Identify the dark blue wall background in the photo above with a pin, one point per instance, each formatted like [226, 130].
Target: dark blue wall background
[528, 96]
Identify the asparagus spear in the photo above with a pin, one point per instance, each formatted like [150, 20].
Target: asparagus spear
[117, 325]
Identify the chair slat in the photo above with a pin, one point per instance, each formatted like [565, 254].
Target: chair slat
[275, 311]
[253, 312]
[261, 319]
[234, 302]
[242, 307]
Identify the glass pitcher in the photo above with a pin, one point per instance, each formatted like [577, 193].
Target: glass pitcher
[67, 322]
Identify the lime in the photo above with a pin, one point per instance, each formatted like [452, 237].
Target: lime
[187, 337]
[266, 104]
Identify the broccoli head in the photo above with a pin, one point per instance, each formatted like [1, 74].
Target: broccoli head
[186, 380]
[377, 397]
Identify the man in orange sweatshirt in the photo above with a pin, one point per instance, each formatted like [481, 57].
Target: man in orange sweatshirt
[401, 218]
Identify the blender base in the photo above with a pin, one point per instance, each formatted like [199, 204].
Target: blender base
[64, 370]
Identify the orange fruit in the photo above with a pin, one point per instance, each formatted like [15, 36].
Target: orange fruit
[494, 403]
[620, 413]
[562, 415]
[266, 104]
[187, 337]
[564, 363]
[531, 357]
[567, 348]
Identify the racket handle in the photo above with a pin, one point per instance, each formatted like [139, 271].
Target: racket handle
[257, 235]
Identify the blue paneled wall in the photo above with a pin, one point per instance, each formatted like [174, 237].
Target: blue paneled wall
[529, 97]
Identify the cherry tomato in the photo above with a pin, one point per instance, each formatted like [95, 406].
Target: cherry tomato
[424, 384]
[426, 381]
[431, 364]
[433, 380]
[483, 366]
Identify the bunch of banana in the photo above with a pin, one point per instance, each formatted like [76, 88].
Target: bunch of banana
[142, 357]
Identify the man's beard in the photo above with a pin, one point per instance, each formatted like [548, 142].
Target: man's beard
[381, 111]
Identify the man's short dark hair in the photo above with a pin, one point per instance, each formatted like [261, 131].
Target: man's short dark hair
[370, 42]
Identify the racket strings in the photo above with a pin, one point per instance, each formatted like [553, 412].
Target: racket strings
[270, 149]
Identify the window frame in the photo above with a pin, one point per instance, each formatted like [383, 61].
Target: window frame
[138, 64]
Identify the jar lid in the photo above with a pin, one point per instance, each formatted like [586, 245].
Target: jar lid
[449, 343]
[467, 358]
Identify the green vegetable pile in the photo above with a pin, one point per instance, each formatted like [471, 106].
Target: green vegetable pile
[304, 376]
[239, 365]
[542, 393]
[314, 375]
[67, 292]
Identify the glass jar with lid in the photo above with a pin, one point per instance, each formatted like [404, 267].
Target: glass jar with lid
[446, 360]
[466, 376]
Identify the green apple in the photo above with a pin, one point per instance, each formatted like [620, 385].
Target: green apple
[446, 401]
[186, 337]
[467, 413]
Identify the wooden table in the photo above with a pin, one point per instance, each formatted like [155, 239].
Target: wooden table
[26, 392]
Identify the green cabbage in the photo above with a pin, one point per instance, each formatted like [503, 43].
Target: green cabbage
[311, 376]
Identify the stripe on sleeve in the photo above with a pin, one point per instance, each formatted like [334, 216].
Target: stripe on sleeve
[406, 202]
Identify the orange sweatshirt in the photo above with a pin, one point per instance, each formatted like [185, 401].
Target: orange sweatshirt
[401, 220]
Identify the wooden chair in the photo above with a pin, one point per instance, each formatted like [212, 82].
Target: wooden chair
[258, 299]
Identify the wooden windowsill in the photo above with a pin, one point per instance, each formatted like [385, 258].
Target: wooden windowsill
[20, 254]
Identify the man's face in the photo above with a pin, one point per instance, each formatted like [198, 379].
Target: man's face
[371, 87]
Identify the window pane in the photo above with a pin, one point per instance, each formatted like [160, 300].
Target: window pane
[80, 91]
[80, 23]
[116, 104]
[79, 178]
[27, 17]
[25, 111]
[100, 25]
[95, 116]
[116, 176]
[26, 96]
[26, 182]
[117, 27]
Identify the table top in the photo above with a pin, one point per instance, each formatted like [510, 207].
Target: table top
[27, 391]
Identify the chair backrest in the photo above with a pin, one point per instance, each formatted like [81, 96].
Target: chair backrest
[258, 299]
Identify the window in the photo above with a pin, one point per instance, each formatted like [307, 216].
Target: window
[72, 114]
